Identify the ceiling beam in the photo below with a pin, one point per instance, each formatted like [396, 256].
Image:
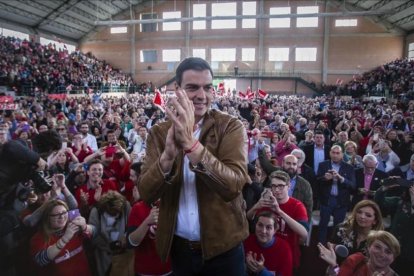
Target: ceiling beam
[58, 11]
[380, 4]
[257, 16]
[375, 19]
[137, 6]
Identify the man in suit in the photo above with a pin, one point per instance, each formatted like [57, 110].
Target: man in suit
[368, 179]
[317, 152]
[337, 180]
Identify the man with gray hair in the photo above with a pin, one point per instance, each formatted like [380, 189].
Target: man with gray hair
[368, 179]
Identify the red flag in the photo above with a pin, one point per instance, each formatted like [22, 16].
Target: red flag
[250, 95]
[242, 95]
[220, 87]
[262, 94]
[158, 100]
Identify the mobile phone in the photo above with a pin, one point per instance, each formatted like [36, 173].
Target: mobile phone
[375, 136]
[64, 145]
[72, 214]
[266, 194]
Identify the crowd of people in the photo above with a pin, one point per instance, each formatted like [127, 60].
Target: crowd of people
[395, 77]
[35, 68]
[263, 168]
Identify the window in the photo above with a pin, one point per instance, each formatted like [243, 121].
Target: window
[278, 54]
[346, 22]
[305, 54]
[16, 34]
[59, 45]
[148, 56]
[223, 54]
[307, 21]
[223, 9]
[279, 22]
[171, 55]
[201, 53]
[249, 8]
[199, 10]
[148, 27]
[171, 26]
[119, 30]
[248, 54]
[411, 51]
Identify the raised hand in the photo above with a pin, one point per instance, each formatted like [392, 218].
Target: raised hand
[327, 254]
[183, 119]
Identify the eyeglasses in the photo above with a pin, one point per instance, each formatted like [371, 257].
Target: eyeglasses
[278, 187]
[61, 128]
[60, 215]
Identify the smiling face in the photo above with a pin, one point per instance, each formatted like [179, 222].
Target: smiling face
[265, 230]
[58, 217]
[380, 255]
[95, 173]
[198, 87]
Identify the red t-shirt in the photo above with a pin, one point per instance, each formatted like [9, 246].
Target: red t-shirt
[278, 256]
[147, 261]
[297, 211]
[71, 261]
[107, 185]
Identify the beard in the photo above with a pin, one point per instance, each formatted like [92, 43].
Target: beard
[291, 173]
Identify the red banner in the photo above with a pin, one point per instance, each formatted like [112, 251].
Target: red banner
[57, 96]
[6, 99]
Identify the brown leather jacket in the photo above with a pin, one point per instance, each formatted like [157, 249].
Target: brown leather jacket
[220, 177]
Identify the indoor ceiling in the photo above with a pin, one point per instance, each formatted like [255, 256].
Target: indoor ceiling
[74, 20]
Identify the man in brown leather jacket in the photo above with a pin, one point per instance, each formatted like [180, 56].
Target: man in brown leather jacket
[197, 165]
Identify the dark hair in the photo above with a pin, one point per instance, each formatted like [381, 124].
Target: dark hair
[46, 142]
[191, 63]
[93, 162]
[268, 214]
[318, 132]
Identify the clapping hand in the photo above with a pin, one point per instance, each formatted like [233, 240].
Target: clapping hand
[327, 254]
[253, 264]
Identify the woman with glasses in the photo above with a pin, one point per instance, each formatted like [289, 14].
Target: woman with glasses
[57, 247]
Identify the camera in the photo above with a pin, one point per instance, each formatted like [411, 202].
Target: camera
[41, 183]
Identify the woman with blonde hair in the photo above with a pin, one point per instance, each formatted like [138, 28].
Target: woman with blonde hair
[382, 249]
[353, 232]
[351, 155]
[57, 248]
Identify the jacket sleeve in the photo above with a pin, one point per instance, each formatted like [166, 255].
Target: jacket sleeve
[226, 172]
[152, 182]
[349, 179]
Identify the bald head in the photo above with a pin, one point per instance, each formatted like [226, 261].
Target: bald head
[290, 164]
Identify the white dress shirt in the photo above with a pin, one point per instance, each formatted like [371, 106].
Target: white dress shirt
[188, 222]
